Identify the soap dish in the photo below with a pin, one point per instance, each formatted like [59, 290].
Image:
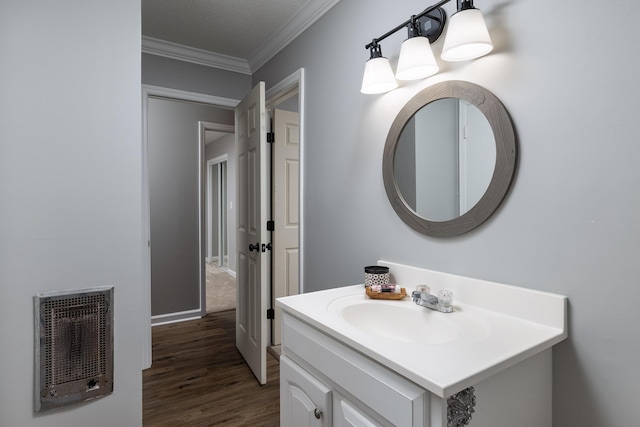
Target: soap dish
[386, 295]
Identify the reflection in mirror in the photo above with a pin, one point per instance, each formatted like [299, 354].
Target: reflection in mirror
[449, 158]
[444, 159]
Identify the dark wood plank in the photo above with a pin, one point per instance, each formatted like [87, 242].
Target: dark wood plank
[198, 378]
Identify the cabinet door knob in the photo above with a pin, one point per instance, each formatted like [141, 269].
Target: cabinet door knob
[317, 413]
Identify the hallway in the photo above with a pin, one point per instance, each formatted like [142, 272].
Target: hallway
[221, 289]
[199, 379]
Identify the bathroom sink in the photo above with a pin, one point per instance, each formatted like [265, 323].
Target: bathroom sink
[404, 321]
[493, 326]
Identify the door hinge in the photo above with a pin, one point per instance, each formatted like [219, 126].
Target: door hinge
[271, 314]
[271, 137]
[271, 226]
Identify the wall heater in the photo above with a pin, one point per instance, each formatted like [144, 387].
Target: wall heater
[73, 346]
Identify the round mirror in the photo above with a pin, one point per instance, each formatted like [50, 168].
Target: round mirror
[449, 158]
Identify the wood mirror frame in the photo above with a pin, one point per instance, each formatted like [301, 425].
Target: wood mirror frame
[503, 173]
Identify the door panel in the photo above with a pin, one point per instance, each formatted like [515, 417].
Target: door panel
[252, 199]
[286, 210]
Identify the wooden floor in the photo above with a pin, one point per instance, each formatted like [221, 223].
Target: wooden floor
[198, 378]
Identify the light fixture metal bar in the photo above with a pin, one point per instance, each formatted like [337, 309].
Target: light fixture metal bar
[404, 24]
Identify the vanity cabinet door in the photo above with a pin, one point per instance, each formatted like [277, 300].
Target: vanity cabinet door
[347, 414]
[304, 401]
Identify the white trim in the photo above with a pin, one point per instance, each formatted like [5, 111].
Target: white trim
[150, 91]
[196, 56]
[218, 159]
[216, 127]
[288, 83]
[284, 86]
[145, 310]
[201, 227]
[306, 16]
[181, 316]
[182, 95]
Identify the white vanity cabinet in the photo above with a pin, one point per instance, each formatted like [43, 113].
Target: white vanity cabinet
[325, 383]
[348, 360]
[321, 376]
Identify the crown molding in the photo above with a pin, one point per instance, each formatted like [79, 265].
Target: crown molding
[197, 56]
[307, 15]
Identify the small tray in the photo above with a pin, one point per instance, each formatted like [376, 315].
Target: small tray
[386, 295]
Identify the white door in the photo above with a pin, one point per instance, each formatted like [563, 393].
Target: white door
[286, 175]
[477, 155]
[253, 254]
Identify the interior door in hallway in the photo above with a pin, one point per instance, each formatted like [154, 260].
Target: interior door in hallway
[253, 261]
[286, 175]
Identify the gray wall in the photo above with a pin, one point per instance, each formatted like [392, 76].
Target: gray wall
[227, 145]
[174, 74]
[70, 189]
[169, 73]
[173, 135]
[570, 223]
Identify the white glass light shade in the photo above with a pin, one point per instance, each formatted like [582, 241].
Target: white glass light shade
[467, 36]
[416, 59]
[378, 76]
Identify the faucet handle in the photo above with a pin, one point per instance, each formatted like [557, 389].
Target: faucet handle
[423, 288]
[445, 298]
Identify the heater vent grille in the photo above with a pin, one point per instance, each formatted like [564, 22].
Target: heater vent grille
[75, 346]
[76, 339]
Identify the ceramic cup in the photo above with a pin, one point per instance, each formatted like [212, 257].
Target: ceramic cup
[376, 275]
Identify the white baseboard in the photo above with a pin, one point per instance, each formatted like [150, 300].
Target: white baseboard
[163, 319]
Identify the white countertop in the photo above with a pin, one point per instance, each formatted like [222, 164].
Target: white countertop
[501, 338]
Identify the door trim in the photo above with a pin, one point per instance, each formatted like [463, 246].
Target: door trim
[179, 95]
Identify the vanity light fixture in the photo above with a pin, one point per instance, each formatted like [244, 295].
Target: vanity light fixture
[416, 59]
[378, 75]
[467, 38]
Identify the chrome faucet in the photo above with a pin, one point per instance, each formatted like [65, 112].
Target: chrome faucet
[442, 303]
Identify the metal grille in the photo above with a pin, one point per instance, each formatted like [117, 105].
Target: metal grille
[75, 346]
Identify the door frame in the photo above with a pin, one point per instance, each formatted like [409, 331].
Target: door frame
[272, 96]
[178, 95]
[296, 78]
[211, 204]
[203, 128]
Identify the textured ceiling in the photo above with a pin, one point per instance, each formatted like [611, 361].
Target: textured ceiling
[234, 28]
